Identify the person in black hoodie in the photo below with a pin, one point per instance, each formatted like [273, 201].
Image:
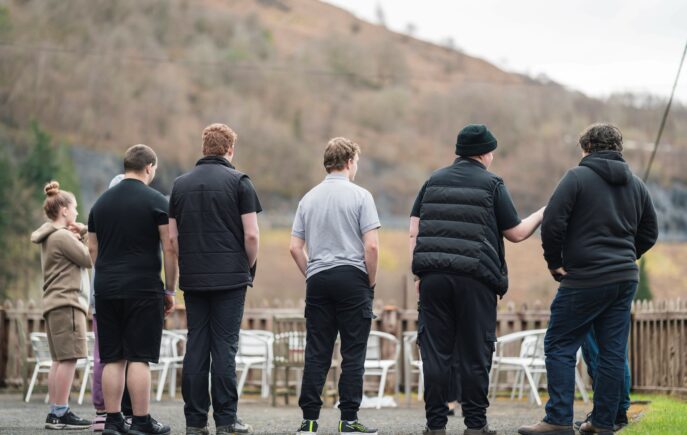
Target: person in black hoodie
[599, 221]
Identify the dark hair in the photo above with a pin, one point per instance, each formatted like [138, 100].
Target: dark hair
[138, 157]
[339, 151]
[601, 137]
[217, 139]
[56, 199]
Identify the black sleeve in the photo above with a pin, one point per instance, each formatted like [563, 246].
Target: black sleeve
[248, 198]
[556, 217]
[160, 207]
[506, 214]
[91, 222]
[415, 212]
[647, 230]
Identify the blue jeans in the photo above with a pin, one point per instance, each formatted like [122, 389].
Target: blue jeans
[590, 353]
[574, 311]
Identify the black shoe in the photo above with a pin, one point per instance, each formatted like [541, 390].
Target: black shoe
[355, 427]
[307, 427]
[116, 427]
[237, 427]
[69, 421]
[485, 430]
[428, 431]
[579, 423]
[150, 427]
[190, 430]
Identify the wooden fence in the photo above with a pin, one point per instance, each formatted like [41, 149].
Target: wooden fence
[658, 339]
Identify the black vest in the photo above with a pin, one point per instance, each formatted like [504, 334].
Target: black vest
[458, 230]
[212, 254]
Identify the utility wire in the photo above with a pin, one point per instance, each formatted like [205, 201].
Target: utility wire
[665, 116]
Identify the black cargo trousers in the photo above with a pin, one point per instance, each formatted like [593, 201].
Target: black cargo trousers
[457, 329]
[338, 300]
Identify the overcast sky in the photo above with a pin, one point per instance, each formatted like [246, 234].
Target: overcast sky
[596, 46]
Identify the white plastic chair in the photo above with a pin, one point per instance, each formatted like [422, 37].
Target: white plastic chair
[529, 365]
[254, 352]
[413, 364]
[375, 365]
[43, 361]
[89, 366]
[178, 361]
[168, 357]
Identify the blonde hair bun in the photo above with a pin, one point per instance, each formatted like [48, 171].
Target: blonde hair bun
[52, 189]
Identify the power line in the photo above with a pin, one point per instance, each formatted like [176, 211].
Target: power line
[665, 116]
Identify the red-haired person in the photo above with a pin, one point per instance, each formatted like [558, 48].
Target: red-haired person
[65, 262]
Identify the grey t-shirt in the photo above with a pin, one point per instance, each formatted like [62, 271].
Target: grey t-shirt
[332, 219]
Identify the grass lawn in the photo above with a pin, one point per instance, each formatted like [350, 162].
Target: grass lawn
[664, 415]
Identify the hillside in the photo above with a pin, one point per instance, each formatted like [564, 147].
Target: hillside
[288, 75]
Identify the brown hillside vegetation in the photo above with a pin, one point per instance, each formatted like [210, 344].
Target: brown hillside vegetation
[288, 75]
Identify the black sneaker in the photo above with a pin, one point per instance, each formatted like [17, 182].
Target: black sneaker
[307, 427]
[69, 421]
[428, 431]
[355, 427]
[190, 430]
[116, 427]
[237, 427]
[150, 427]
[579, 423]
[485, 430]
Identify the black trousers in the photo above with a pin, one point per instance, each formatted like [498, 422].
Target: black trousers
[214, 321]
[338, 300]
[459, 316]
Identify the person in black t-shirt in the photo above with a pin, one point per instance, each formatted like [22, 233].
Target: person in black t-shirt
[126, 225]
[213, 223]
[457, 227]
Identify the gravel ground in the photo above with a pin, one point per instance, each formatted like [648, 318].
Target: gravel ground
[18, 417]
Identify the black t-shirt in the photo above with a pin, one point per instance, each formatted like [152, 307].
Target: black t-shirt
[506, 214]
[125, 220]
[248, 199]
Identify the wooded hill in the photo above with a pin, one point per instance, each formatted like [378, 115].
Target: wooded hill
[287, 75]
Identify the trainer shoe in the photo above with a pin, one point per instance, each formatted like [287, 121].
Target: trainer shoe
[355, 427]
[307, 427]
[589, 428]
[428, 431]
[150, 427]
[116, 427]
[482, 431]
[620, 421]
[579, 423]
[99, 422]
[238, 427]
[190, 430]
[69, 421]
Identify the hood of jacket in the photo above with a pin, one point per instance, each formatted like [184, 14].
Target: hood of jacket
[43, 232]
[610, 166]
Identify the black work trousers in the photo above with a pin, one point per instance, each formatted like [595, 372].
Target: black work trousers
[214, 321]
[459, 323]
[338, 300]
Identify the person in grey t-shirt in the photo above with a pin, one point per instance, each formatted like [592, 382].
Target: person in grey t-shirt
[337, 221]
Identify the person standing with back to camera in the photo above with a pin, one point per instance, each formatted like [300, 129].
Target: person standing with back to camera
[65, 262]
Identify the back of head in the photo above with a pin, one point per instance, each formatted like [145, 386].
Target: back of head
[601, 137]
[475, 140]
[138, 157]
[338, 152]
[218, 139]
[56, 199]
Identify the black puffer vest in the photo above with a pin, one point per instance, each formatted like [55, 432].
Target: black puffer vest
[458, 230]
[212, 254]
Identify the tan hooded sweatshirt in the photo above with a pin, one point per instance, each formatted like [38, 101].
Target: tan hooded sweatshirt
[65, 261]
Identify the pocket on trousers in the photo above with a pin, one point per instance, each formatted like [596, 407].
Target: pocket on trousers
[490, 338]
[368, 313]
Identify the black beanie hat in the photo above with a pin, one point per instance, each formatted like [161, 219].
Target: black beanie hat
[475, 140]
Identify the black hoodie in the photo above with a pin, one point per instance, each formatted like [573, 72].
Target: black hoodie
[599, 221]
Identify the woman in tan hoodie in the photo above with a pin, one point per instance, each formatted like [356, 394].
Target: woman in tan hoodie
[65, 261]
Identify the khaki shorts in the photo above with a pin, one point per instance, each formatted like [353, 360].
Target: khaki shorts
[66, 328]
